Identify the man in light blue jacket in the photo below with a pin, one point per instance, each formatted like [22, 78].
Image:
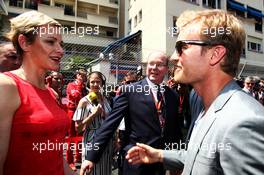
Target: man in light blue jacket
[228, 135]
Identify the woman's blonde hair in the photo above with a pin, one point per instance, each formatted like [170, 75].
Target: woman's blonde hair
[27, 24]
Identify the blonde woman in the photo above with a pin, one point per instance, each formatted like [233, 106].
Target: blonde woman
[32, 125]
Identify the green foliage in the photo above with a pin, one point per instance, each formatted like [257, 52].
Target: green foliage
[75, 62]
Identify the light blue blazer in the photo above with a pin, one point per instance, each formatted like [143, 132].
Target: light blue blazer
[230, 139]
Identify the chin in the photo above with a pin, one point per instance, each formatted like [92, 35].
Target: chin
[155, 81]
[152, 79]
[55, 68]
[178, 79]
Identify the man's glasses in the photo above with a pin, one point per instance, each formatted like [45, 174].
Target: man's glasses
[249, 83]
[158, 65]
[184, 43]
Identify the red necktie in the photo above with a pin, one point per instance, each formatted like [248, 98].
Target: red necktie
[160, 108]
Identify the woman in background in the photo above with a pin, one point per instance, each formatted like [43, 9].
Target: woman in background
[32, 124]
[89, 115]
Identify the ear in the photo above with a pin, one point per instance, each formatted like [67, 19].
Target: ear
[22, 41]
[218, 54]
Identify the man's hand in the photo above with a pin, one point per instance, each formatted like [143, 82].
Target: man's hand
[87, 166]
[144, 154]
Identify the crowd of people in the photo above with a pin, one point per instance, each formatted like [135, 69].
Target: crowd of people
[227, 135]
[218, 119]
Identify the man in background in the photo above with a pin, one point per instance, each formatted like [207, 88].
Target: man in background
[249, 84]
[75, 91]
[9, 60]
[131, 77]
[149, 109]
[228, 135]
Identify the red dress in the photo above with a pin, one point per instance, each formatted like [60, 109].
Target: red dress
[37, 134]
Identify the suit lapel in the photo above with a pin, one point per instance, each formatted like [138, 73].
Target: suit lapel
[196, 142]
[148, 96]
[206, 124]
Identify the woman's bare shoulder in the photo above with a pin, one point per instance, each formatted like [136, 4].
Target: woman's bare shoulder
[83, 102]
[8, 90]
[6, 81]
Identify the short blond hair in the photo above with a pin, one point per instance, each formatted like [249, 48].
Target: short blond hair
[26, 24]
[233, 37]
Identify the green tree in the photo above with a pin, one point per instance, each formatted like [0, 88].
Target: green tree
[74, 62]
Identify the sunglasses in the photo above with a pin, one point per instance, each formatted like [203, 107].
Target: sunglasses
[183, 44]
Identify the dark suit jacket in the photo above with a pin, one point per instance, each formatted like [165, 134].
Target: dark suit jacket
[136, 103]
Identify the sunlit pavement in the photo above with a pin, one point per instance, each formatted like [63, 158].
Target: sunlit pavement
[78, 166]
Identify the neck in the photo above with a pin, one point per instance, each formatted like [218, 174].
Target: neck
[33, 76]
[155, 82]
[210, 89]
[99, 97]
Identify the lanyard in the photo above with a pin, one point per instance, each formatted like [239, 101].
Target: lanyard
[159, 111]
[157, 103]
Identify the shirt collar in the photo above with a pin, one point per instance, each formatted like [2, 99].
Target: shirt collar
[154, 89]
[152, 85]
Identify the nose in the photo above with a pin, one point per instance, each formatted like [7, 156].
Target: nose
[155, 66]
[60, 50]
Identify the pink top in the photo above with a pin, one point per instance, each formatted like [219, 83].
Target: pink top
[37, 134]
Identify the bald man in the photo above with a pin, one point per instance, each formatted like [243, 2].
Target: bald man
[8, 57]
[150, 112]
